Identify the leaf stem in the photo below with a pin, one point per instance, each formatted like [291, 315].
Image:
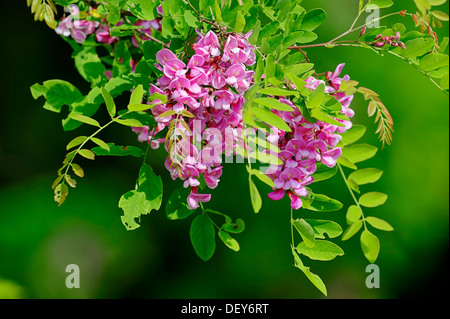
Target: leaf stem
[292, 229]
[353, 195]
[69, 164]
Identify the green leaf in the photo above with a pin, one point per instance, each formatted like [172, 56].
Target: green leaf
[305, 230]
[322, 227]
[352, 230]
[416, 47]
[255, 197]
[313, 278]
[317, 96]
[298, 69]
[307, 37]
[113, 11]
[366, 176]
[240, 22]
[322, 250]
[61, 192]
[151, 185]
[229, 241]
[142, 9]
[277, 91]
[109, 101]
[133, 204]
[203, 237]
[370, 245]
[137, 95]
[433, 61]
[440, 15]
[379, 223]
[122, 59]
[273, 104]
[270, 118]
[274, 43]
[146, 197]
[437, 2]
[353, 214]
[115, 150]
[234, 228]
[76, 141]
[353, 185]
[139, 107]
[57, 94]
[218, 12]
[373, 199]
[262, 177]
[100, 143]
[77, 170]
[324, 172]
[90, 66]
[444, 82]
[323, 203]
[361, 5]
[313, 19]
[190, 19]
[84, 119]
[268, 30]
[359, 152]
[129, 122]
[353, 134]
[324, 117]
[344, 161]
[292, 38]
[87, 154]
[379, 4]
[177, 207]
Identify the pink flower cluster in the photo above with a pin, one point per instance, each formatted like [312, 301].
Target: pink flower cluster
[78, 29]
[81, 29]
[307, 144]
[204, 101]
[394, 41]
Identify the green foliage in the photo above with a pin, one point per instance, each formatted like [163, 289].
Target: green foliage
[146, 197]
[306, 231]
[203, 237]
[111, 149]
[281, 33]
[255, 196]
[57, 93]
[321, 203]
[322, 250]
[176, 207]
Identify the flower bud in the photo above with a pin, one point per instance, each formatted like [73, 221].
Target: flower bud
[397, 36]
[379, 44]
[363, 31]
[402, 45]
[378, 36]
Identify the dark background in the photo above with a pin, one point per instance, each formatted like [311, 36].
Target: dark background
[38, 239]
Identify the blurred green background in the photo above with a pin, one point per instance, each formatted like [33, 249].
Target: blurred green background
[38, 239]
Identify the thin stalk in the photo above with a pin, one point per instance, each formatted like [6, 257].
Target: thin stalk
[69, 164]
[353, 195]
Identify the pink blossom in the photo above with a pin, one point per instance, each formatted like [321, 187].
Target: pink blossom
[194, 198]
[102, 35]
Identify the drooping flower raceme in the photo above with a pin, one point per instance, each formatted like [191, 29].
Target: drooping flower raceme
[204, 117]
[308, 143]
[204, 101]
